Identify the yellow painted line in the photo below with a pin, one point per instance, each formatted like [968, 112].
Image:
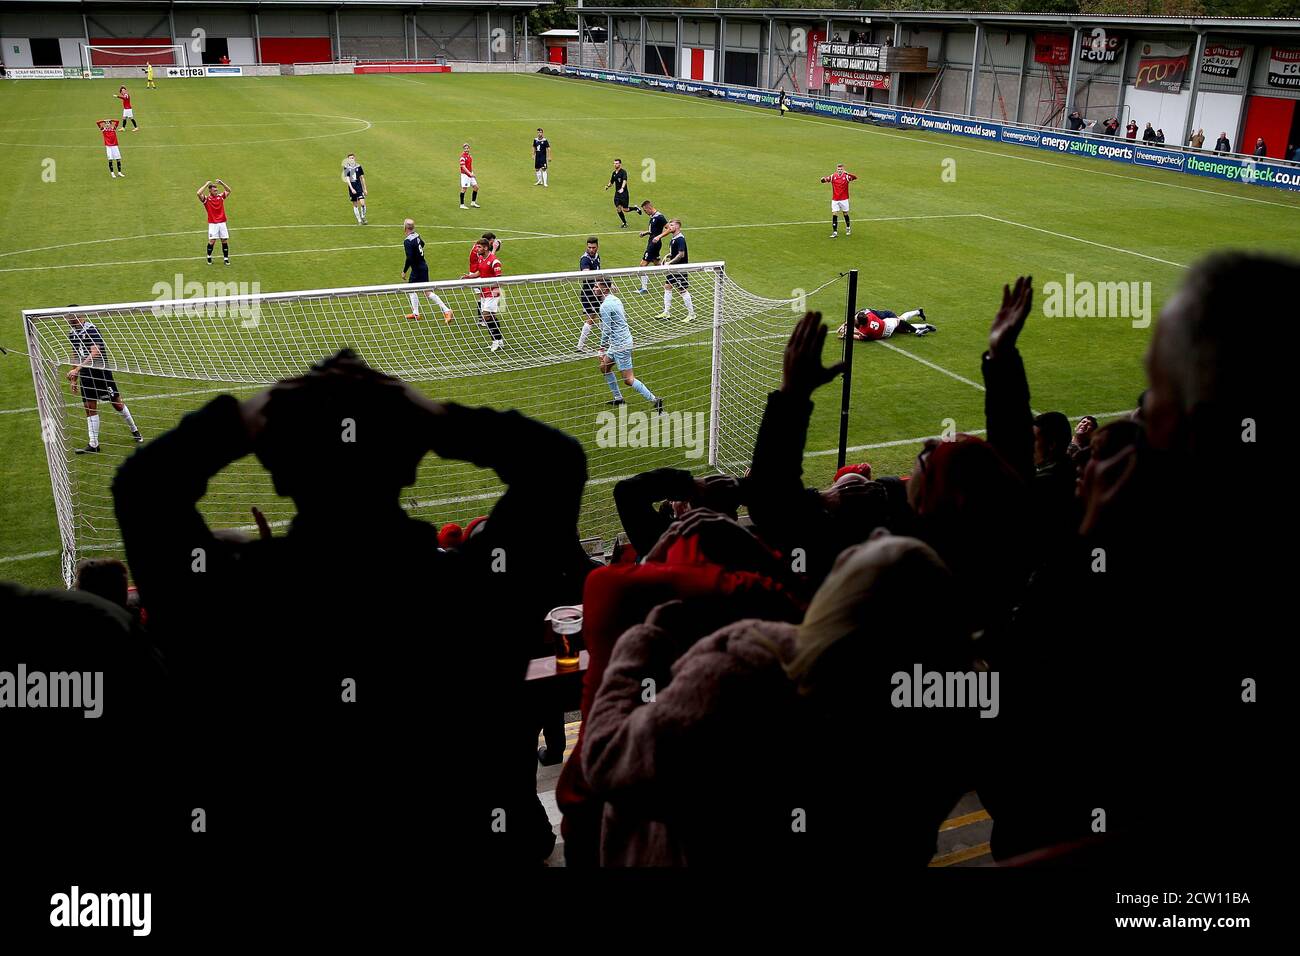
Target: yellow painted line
[961, 856]
[964, 820]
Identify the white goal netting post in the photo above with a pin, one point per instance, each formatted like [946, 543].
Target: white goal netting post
[125, 54]
[171, 356]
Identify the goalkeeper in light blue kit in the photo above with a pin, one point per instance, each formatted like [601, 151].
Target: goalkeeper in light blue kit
[616, 348]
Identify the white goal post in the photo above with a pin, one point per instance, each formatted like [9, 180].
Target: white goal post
[171, 356]
[124, 54]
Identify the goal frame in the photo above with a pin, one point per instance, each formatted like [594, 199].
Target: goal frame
[45, 368]
[177, 50]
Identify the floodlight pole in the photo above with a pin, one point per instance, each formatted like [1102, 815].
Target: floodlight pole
[850, 309]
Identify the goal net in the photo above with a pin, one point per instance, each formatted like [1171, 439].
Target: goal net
[125, 54]
[171, 356]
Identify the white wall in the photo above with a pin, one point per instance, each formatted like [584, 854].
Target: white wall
[1217, 113]
[241, 49]
[1166, 111]
[17, 51]
[70, 50]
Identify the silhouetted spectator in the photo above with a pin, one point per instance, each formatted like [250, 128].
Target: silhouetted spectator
[677, 490]
[356, 599]
[106, 577]
[1261, 148]
[685, 778]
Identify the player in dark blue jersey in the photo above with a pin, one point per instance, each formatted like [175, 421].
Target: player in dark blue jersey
[355, 177]
[677, 256]
[541, 157]
[654, 233]
[622, 199]
[590, 300]
[94, 382]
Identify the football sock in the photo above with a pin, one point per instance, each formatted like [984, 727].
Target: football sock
[473, 197]
[210, 245]
[225, 250]
[493, 326]
[126, 417]
[612, 381]
[835, 223]
[545, 176]
[846, 221]
[690, 306]
[415, 304]
[119, 165]
[622, 217]
[910, 315]
[668, 299]
[639, 387]
[462, 198]
[582, 336]
[92, 426]
[110, 165]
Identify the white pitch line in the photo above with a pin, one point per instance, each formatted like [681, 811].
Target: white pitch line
[605, 481]
[366, 124]
[1100, 245]
[447, 242]
[929, 364]
[945, 144]
[323, 225]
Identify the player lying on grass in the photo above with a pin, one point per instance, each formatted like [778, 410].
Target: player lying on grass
[127, 112]
[214, 201]
[355, 178]
[108, 127]
[90, 376]
[616, 347]
[871, 325]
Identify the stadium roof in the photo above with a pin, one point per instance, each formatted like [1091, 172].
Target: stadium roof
[939, 17]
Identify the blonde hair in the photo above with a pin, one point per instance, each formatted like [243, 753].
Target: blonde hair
[872, 593]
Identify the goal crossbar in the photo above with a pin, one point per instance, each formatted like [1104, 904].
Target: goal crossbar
[700, 341]
[358, 290]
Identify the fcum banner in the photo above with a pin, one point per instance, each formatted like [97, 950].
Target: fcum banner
[1095, 147]
[1222, 60]
[1284, 67]
[1097, 46]
[1162, 67]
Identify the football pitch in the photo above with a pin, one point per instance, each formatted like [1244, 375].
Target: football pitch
[939, 222]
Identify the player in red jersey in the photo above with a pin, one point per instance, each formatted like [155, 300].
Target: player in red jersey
[494, 246]
[108, 127]
[488, 266]
[467, 180]
[213, 196]
[127, 112]
[872, 325]
[839, 181]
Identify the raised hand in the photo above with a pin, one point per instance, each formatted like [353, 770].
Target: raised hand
[802, 371]
[1010, 320]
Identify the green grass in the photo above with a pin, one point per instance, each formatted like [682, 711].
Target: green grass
[279, 143]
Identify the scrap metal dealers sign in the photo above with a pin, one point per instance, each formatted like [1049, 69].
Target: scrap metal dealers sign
[1222, 60]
